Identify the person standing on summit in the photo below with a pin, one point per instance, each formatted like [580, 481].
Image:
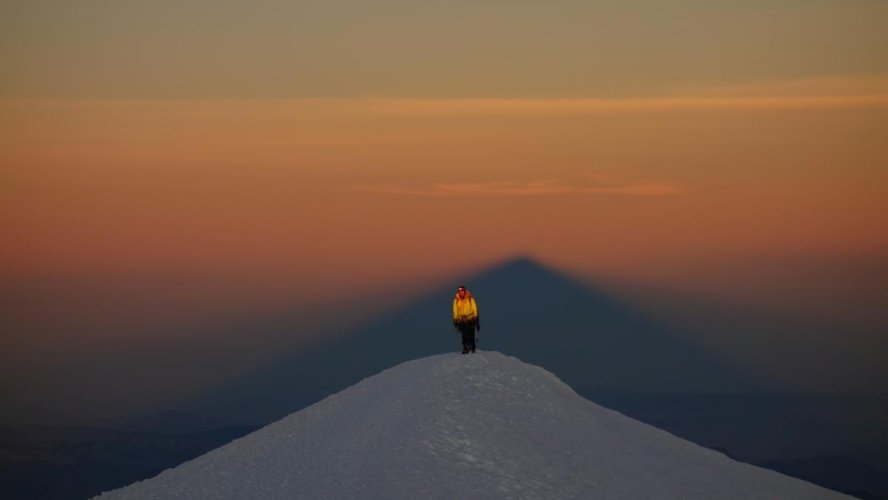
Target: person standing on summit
[465, 318]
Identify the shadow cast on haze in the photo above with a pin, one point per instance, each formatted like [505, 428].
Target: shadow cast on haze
[593, 342]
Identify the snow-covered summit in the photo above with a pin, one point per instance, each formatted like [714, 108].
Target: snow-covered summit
[476, 426]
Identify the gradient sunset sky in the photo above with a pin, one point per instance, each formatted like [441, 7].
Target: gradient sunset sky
[169, 166]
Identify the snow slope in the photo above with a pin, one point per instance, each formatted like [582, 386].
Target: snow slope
[475, 426]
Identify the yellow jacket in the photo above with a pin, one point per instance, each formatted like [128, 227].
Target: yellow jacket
[465, 309]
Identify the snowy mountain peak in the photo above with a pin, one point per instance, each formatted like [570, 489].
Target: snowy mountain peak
[476, 426]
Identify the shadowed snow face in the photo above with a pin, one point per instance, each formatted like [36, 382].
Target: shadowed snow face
[452, 426]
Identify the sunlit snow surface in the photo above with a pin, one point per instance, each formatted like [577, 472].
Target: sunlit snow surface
[464, 426]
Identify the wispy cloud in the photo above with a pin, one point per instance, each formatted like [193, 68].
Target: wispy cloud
[765, 97]
[850, 89]
[528, 188]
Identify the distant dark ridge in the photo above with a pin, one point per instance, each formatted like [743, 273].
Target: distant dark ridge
[46, 462]
[836, 472]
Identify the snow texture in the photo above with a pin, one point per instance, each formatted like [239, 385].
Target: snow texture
[464, 426]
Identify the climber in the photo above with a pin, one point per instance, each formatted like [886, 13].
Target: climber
[465, 318]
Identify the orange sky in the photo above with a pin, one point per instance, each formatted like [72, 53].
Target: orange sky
[166, 167]
[345, 192]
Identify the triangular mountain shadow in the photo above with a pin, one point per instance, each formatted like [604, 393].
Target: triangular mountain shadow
[592, 342]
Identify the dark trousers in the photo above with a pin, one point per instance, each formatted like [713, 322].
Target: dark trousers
[467, 329]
